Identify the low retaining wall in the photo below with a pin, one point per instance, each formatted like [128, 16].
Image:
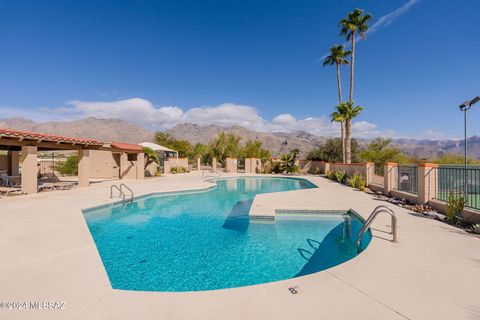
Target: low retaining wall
[175, 163]
[469, 215]
[312, 167]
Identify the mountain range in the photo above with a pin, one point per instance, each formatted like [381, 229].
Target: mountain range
[277, 142]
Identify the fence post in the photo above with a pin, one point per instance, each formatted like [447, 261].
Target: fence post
[427, 181]
[326, 167]
[214, 164]
[389, 177]
[369, 172]
[199, 165]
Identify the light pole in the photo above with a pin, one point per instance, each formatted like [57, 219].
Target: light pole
[464, 107]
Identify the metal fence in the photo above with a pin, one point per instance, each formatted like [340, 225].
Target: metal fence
[459, 181]
[408, 178]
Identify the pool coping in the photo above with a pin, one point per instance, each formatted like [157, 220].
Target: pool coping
[51, 255]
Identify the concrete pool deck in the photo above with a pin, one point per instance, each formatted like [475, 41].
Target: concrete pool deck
[48, 255]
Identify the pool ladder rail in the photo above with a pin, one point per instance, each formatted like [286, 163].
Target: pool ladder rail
[211, 174]
[122, 193]
[371, 218]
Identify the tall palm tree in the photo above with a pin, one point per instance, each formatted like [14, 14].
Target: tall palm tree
[349, 111]
[337, 57]
[337, 116]
[356, 23]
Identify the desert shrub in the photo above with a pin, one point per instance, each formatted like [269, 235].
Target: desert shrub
[175, 170]
[69, 167]
[317, 171]
[455, 205]
[357, 181]
[331, 174]
[275, 168]
[340, 176]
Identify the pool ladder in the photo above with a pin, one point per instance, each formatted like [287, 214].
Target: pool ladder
[211, 174]
[122, 193]
[371, 218]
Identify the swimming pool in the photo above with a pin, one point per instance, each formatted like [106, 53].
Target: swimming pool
[205, 240]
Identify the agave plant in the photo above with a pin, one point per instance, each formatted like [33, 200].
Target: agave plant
[340, 176]
[476, 228]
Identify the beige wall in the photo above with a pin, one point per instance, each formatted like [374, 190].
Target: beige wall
[312, 166]
[151, 169]
[102, 165]
[350, 168]
[253, 165]
[175, 163]
[231, 165]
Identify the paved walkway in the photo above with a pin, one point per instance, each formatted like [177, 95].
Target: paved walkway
[48, 254]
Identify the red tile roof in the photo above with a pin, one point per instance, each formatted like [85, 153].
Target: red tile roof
[126, 146]
[46, 137]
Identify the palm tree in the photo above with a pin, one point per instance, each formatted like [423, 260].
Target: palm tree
[349, 111]
[337, 56]
[337, 116]
[356, 23]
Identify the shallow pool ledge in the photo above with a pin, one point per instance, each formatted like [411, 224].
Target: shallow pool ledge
[267, 206]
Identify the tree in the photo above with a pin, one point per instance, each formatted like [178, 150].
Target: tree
[356, 23]
[165, 139]
[337, 57]
[288, 161]
[379, 151]
[331, 151]
[254, 149]
[225, 145]
[349, 111]
[151, 156]
[337, 116]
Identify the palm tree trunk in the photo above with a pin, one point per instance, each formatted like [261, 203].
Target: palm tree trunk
[348, 150]
[339, 84]
[343, 141]
[352, 67]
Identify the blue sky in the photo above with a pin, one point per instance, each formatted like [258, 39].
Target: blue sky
[252, 63]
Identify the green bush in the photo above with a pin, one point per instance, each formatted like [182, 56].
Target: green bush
[69, 167]
[455, 206]
[175, 170]
[357, 181]
[340, 176]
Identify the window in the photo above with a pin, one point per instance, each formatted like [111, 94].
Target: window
[132, 157]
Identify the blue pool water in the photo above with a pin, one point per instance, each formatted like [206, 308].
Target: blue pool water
[205, 240]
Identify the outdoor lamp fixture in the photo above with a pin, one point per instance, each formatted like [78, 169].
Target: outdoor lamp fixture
[464, 107]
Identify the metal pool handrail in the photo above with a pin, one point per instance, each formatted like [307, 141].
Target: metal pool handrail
[371, 218]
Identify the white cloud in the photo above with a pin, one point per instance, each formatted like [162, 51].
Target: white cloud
[144, 113]
[383, 21]
[387, 19]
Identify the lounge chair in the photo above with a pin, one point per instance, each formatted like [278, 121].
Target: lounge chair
[6, 190]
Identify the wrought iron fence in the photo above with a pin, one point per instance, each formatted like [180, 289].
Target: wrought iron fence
[459, 181]
[408, 178]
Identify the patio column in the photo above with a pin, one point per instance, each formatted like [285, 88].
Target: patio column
[14, 163]
[248, 165]
[214, 164]
[83, 168]
[199, 164]
[29, 169]
[389, 177]
[140, 166]
[427, 182]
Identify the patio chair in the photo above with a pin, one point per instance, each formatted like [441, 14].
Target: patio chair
[4, 191]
